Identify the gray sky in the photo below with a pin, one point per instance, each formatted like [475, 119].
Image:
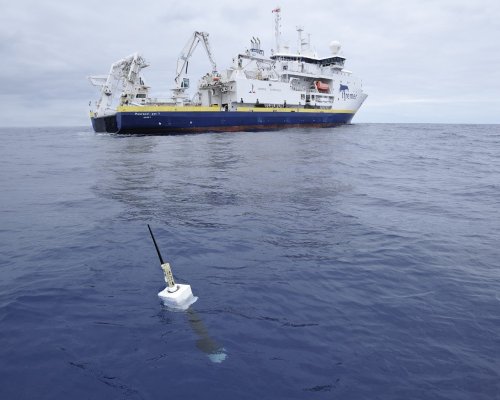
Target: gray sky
[420, 60]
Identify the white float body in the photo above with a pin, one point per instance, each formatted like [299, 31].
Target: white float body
[181, 299]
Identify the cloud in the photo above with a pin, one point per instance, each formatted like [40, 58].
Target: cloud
[416, 58]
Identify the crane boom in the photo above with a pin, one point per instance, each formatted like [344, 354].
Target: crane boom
[187, 52]
[123, 80]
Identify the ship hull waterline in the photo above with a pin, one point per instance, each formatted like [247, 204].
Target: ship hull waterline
[171, 123]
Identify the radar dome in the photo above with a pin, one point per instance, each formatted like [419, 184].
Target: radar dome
[335, 47]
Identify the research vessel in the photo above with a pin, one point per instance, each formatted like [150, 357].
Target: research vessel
[288, 88]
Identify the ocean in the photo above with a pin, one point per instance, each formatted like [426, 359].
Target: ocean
[358, 262]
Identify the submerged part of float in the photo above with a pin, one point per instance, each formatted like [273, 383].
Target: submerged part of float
[218, 357]
[175, 295]
[215, 352]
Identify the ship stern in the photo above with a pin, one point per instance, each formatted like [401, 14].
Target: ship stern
[105, 124]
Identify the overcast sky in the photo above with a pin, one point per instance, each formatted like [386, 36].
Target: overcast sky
[420, 60]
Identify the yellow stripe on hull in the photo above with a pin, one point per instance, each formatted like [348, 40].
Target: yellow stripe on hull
[167, 109]
[218, 109]
[294, 109]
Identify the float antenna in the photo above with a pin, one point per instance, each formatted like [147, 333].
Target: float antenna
[156, 246]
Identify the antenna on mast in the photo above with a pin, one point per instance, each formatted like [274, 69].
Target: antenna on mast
[277, 28]
[300, 29]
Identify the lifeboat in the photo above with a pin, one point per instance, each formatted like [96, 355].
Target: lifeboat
[321, 86]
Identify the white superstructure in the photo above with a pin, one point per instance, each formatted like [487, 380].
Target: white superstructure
[285, 79]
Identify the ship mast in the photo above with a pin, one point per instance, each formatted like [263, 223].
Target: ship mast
[299, 42]
[277, 26]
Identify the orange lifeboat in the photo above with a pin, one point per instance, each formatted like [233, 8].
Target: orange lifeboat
[321, 86]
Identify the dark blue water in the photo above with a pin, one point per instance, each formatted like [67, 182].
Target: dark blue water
[360, 262]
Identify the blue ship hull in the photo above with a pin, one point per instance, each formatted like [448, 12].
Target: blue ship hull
[180, 122]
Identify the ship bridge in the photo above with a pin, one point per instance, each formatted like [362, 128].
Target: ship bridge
[336, 61]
